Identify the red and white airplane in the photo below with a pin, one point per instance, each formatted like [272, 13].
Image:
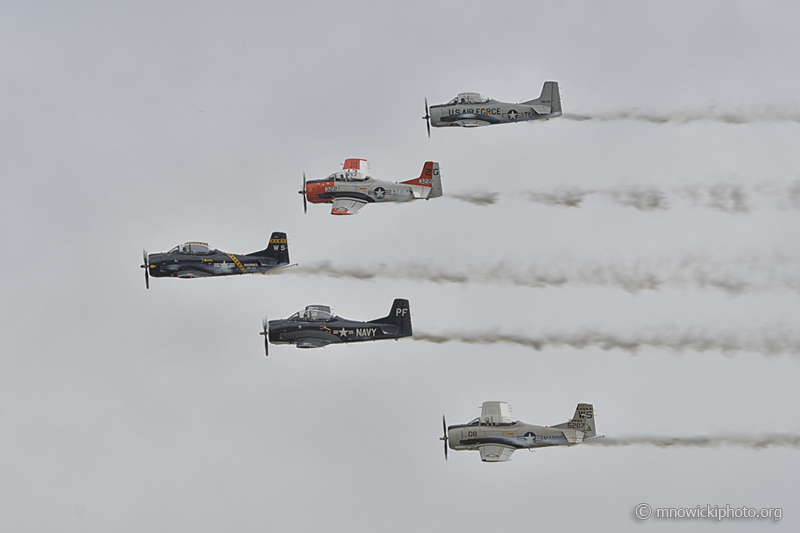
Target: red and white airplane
[351, 188]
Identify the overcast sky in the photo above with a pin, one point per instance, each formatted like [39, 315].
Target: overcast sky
[646, 242]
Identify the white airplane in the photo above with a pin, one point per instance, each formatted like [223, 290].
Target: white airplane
[496, 435]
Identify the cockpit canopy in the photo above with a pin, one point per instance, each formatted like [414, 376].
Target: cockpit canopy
[314, 313]
[190, 248]
[348, 175]
[468, 98]
[491, 422]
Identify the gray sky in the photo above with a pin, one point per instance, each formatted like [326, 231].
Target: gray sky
[130, 126]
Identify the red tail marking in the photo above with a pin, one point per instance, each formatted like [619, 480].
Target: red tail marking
[427, 175]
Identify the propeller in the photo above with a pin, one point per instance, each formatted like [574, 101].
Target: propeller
[265, 332]
[145, 267]
[427, 118]
[303, 192]
[444, 438]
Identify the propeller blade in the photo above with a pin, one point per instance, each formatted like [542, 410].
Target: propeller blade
[265, 332]
[444, 438]
[427, 118]
[305, 204]
[145, 266]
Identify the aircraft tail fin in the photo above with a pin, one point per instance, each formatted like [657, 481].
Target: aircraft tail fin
[400, 315]
[583, 420]
[277, 249]
[549, 102]
[429, 183]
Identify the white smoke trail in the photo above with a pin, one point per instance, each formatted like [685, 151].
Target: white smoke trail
[730, 198]
[733, 275]
[755, 442]
[685, 117]
[727, 197]
[477, 197]
[769, 342]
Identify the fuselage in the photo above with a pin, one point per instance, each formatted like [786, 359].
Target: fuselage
[334, 331]
[516, 435]
[486, 113]
[369, 190]
[213, 263]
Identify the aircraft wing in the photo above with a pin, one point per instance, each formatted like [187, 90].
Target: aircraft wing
[312, 343]
[471, 116]
[492, 453]
[346, 206]
[193, 274]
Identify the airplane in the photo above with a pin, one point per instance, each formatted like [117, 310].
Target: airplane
[351, 188]
[316, 326]
[471, 110]
[197, 260]
[496, 435]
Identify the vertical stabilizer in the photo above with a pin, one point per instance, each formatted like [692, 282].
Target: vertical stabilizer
[429, 183]
[549, 102]
[277, 249]
[400, 315]
[583, 420]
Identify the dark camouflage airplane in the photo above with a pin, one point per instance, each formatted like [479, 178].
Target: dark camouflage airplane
[197, 260]
[496, 435]
[471, 110]
[316, 326]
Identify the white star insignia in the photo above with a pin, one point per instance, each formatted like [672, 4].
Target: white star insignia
[342, 332]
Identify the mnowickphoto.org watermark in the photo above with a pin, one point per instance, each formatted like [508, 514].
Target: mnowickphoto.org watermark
[644, 511]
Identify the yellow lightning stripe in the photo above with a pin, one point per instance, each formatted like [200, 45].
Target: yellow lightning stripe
[238, 264]
[277, 241]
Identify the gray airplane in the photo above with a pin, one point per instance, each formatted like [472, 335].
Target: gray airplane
[316, 326]
[496, 435]
[470, 110]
